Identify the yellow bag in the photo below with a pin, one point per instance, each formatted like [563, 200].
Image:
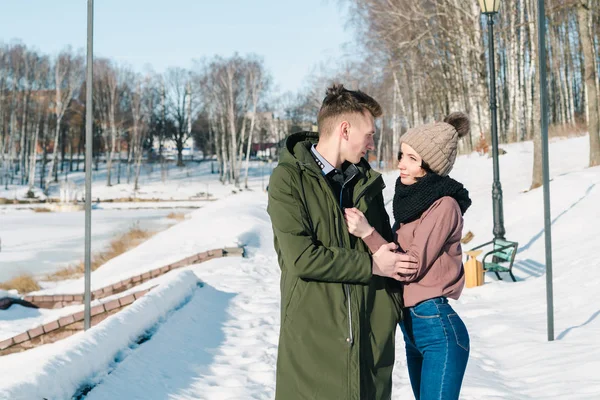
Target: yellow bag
[474, 274]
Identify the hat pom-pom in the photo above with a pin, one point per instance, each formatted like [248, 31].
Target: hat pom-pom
[460, 122]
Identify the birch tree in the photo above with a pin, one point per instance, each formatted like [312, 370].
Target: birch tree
[68, 76]
[42, 102]
[257, 83]
[590, 72]
[107, 94]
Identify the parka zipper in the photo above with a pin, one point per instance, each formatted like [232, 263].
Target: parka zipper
[347, 289]
[350, 338]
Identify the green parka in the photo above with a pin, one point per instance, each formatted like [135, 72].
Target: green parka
[338, 321]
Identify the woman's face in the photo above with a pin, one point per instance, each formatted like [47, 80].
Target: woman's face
[409, 164]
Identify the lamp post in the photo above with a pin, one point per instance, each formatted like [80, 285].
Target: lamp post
[546, 167]
[490, 8]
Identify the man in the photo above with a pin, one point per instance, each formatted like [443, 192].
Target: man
[338, 312]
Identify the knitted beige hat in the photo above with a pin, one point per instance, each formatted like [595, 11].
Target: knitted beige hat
[437, 142]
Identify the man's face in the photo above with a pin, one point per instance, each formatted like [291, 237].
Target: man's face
[359, 136]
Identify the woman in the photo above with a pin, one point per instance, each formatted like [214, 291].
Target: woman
[428, 209]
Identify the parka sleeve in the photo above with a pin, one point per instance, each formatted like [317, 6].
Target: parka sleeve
[304, 256]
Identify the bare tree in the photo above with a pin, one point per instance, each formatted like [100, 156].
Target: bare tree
[182, 107]
[437, 54]
[15, 62]
[222, 82]
[41, 103]
[584, 18]
[257, 83]
[107, 96]
[142, 108]
[230, 82]
[68, 75]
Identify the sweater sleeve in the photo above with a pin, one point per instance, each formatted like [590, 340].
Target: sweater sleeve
[430, 237]
[302, 254]
[374, 241]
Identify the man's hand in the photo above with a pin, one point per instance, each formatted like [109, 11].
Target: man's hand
[393, 265]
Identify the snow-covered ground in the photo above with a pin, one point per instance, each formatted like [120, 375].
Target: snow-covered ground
[219, 341]
[40, 243]
[167, 182]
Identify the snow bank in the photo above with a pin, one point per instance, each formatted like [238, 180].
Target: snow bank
[87, 358]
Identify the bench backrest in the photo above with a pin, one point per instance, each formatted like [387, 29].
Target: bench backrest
[505, 254]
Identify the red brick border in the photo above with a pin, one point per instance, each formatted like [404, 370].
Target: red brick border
[60, 300]
[68, 324]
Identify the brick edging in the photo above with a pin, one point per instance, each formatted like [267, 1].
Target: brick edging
[67, 325]
[60, 300]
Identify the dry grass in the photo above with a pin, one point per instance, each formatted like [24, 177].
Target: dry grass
[554, 131]
[176, 216]
[41, 210]
[131, 200]
[22, 283]
[72, 271]
[482, 146]
[467, 238]
[567, 131]
[4, 200]
[117, 246]
[26, 283]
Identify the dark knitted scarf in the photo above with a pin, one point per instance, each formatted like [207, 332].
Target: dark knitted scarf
[410, 201]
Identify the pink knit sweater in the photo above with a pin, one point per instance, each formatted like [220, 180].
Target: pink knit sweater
[434, 241]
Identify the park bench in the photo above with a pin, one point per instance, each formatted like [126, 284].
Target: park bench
[500, 258]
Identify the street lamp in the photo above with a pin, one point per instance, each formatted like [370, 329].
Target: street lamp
[490, 8]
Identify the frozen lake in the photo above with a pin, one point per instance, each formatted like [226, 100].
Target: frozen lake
[40, 243]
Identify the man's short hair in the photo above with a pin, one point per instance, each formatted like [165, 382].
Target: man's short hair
[339, 101]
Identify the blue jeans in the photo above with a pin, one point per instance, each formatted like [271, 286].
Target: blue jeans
[437, 349]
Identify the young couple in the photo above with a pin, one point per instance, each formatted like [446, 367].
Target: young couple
[348, 277]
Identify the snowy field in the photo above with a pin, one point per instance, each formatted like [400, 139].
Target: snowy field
[41, 243]
[210, 330]
[167, 182]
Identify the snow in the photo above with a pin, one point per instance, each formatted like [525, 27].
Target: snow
[19, 319]
[220, 341]
[41, 243]
[9, 293]
[217, 227]
[167, 182]
[61, 368]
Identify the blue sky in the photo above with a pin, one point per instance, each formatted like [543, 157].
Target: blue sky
[293, 36]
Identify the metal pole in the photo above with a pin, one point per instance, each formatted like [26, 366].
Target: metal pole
[545, 166]
[88, 166]
[496, 187]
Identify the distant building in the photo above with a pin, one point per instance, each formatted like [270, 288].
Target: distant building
[264, 150]
[169, 149]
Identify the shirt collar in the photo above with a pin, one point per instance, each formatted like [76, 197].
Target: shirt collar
[325, 166]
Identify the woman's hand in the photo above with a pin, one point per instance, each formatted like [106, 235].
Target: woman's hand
[357, 223]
